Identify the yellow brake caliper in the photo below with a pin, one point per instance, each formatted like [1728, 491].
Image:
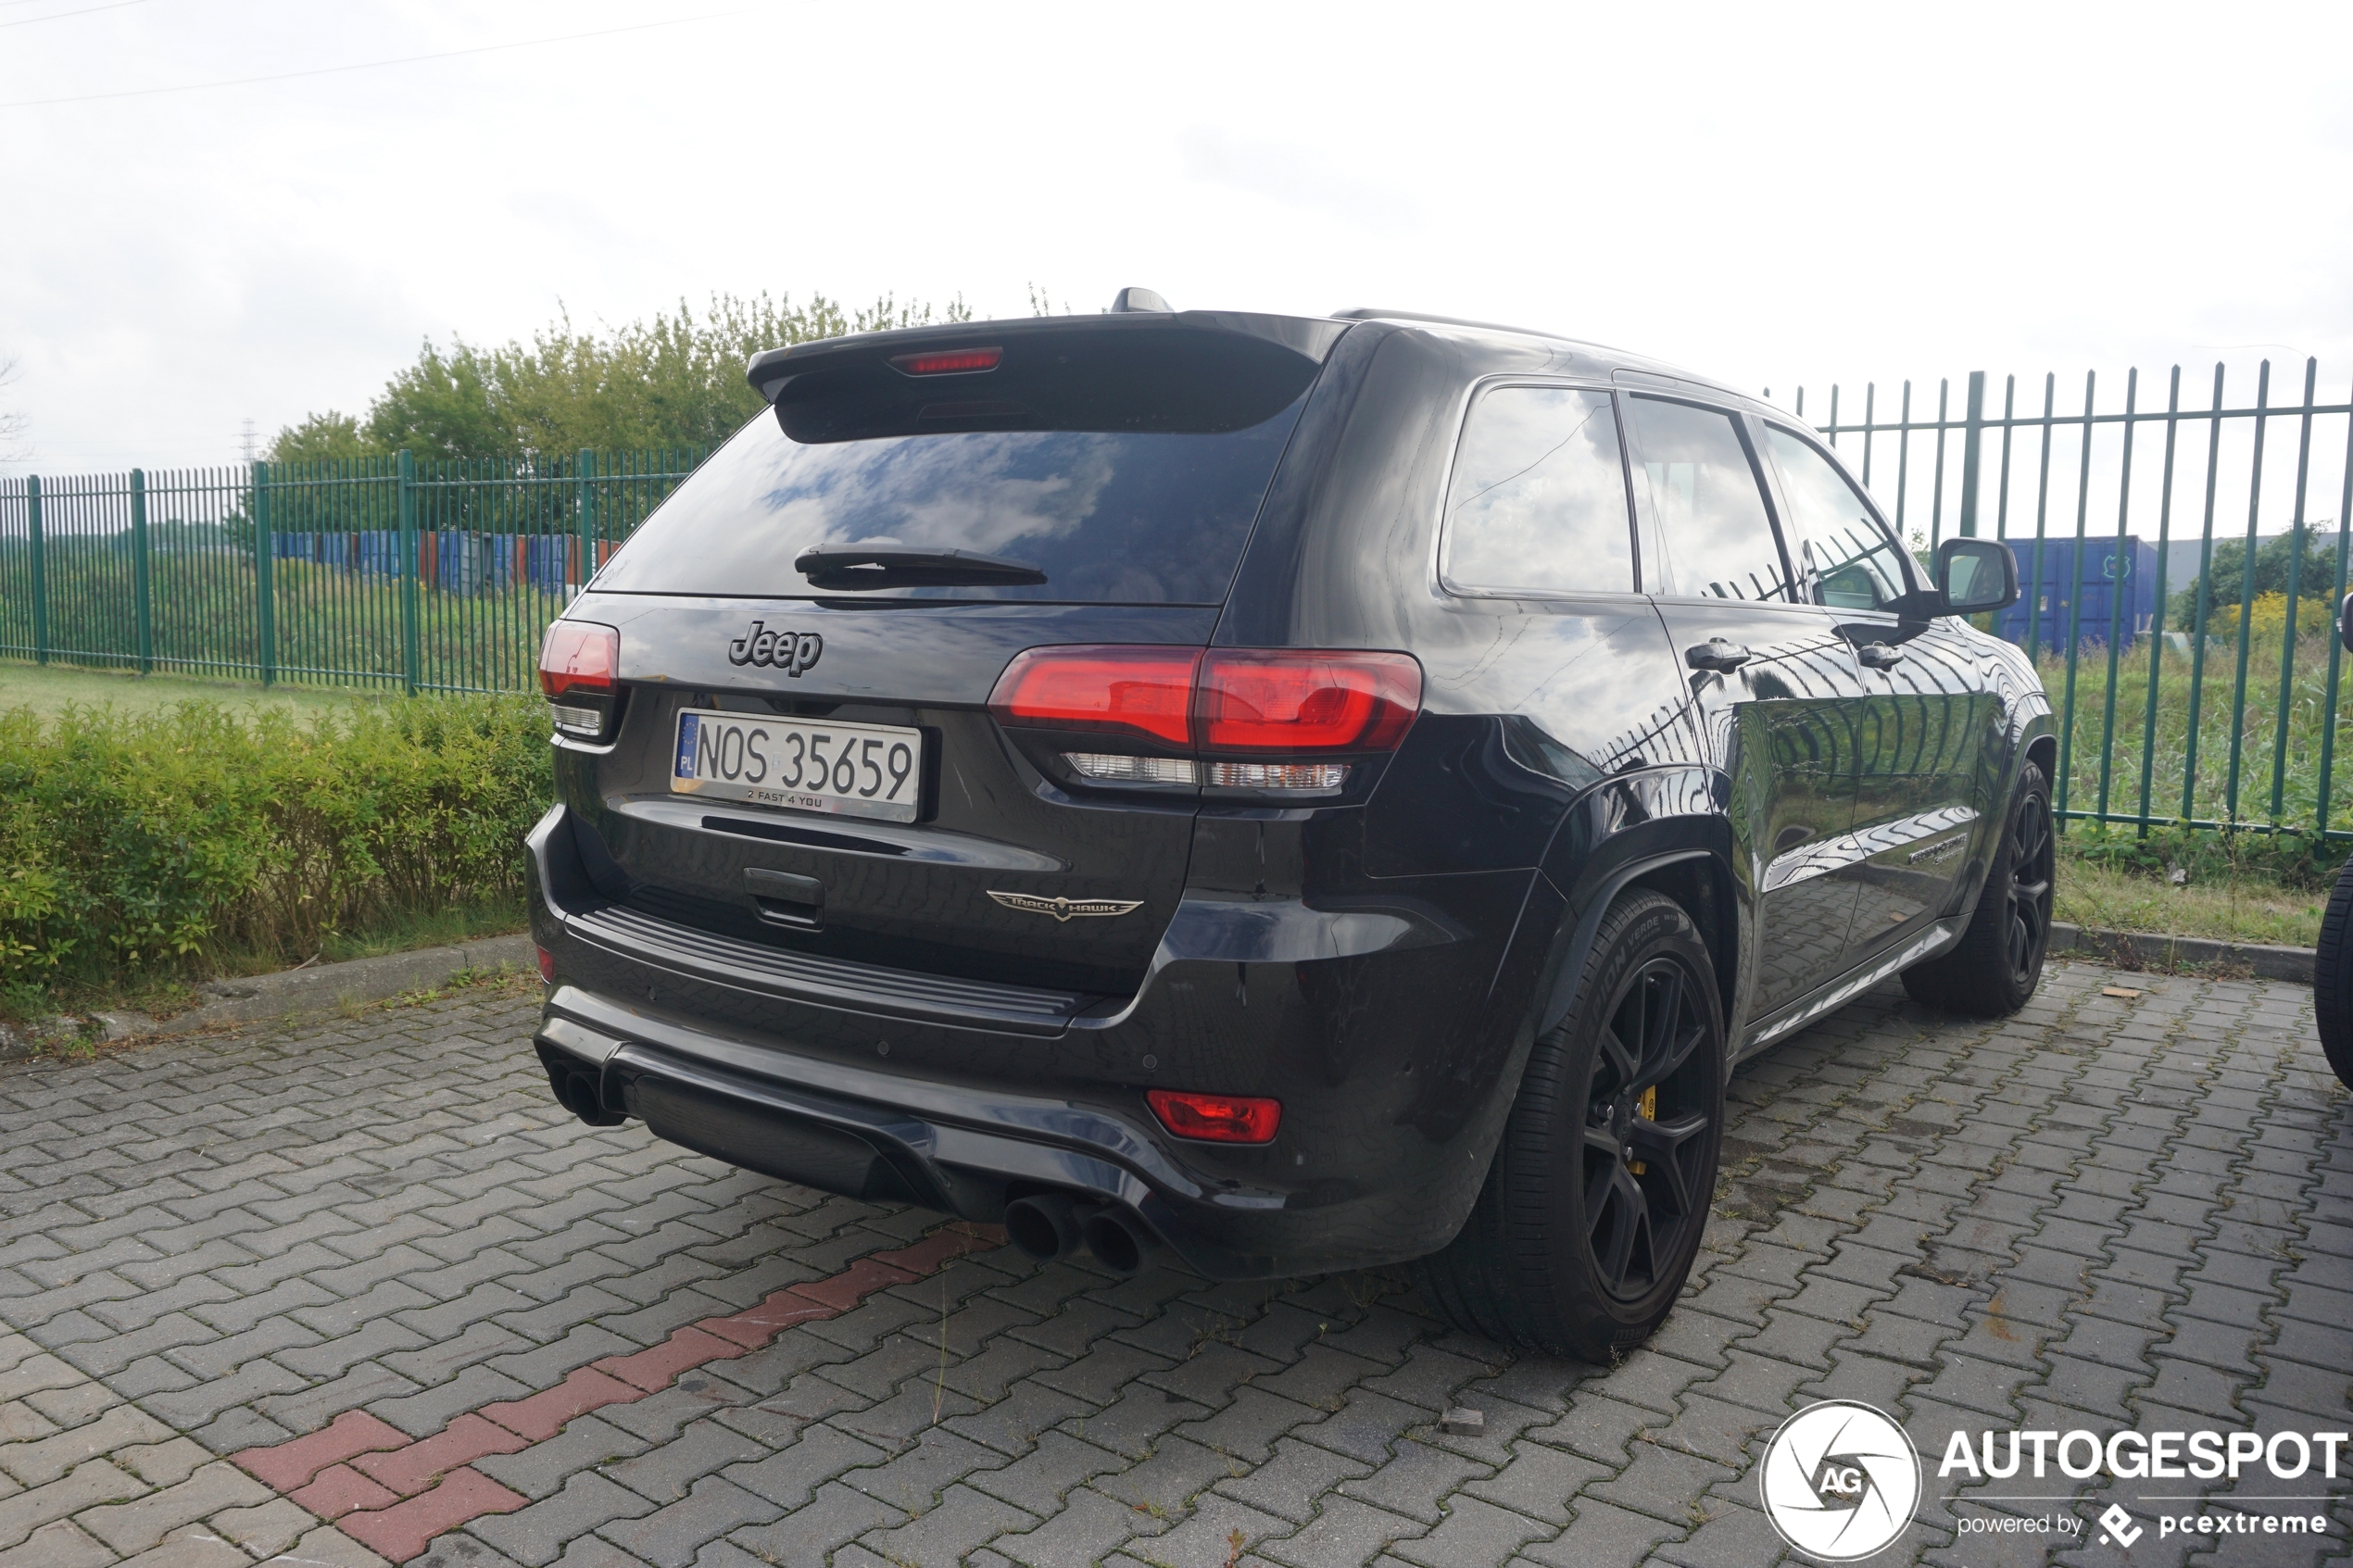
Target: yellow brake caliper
[1648, 1110]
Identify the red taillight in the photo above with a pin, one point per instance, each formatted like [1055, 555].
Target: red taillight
[1289, 700]
[578, 658]
[1143, 690]
[1216, 1117]
[948, 362]
[546, 965]
[1224, 701]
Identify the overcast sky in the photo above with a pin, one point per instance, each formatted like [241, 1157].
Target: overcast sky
[1768, 194]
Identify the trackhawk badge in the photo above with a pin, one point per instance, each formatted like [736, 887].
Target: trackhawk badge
[1065, 909]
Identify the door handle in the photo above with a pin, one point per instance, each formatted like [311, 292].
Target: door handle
[1877, 656]
[1717, 654]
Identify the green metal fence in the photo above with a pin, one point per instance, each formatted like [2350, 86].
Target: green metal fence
[2208, 712]
[2213, 712]
[384, 572]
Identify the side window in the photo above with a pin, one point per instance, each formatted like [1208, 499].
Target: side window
[1713, 526]
[1537, 501]
[1844, 560]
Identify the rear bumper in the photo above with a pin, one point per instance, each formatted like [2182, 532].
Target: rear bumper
[807, 1121]
[1393, 1064]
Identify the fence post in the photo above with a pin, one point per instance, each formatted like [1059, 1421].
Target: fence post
[141, 612]
[1972, 449]
[587, 471]
[408, 571]
[265, 578]
[40, 570]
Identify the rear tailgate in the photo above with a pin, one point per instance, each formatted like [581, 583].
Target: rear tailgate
[911, 895]
[1118, 466]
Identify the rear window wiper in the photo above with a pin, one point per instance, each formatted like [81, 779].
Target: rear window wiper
[906, 566]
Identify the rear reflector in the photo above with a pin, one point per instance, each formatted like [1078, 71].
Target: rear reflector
[546, 965]
[950, 362]
[1216, 1117]
[1137, 691]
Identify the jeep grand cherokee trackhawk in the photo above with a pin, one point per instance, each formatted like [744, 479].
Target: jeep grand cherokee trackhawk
[1305, 794]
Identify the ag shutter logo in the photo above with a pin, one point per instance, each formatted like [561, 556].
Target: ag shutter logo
[1840, 1481]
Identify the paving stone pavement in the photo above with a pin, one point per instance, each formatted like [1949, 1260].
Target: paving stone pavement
[359, 1292]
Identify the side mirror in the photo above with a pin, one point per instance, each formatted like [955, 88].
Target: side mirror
[1976, 575]
[2345, 622]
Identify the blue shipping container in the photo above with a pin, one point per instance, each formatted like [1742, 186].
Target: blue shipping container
[2110, 568]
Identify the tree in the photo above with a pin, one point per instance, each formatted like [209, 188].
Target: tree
[671, 381]
[13, 420]
[2317, 579]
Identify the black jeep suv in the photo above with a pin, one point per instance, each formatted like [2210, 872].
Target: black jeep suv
[1306, 793]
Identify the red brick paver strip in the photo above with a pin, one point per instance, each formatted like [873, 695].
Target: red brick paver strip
[656, 1368]
[405, 1529]
[340, 1490]
[544, 1414]
[754, 1326]
[290, 1465]
[410, 1470]
[854, 1283]
[366, 1502]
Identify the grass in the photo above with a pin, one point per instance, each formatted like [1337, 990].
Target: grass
[2249, 906]
[49, 690]
[2265, 768]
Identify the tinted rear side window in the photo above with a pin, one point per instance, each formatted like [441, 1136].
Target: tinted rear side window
[1718, 535]
[1537, 501]
[1136, 513]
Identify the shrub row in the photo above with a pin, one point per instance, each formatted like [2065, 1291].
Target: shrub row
[133, 843]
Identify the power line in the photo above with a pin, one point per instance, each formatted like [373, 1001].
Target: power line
[370, 65]
[65, 16]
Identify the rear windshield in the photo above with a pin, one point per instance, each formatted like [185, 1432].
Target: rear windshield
[1152, 509]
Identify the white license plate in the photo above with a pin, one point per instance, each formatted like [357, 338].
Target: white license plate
[799, 764]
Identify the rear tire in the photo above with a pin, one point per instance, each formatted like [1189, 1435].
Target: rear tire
[2333, 978]
[1585, 1230]
[1996, 966]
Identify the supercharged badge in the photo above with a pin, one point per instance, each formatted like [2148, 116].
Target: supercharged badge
[1065, 909]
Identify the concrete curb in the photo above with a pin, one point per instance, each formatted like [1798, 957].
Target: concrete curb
[297, 994]
[2138, 949]
[301, 993]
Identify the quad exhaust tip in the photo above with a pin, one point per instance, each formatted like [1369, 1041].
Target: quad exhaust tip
[1044, 1227]
[1049, 1225]
[577, 1088]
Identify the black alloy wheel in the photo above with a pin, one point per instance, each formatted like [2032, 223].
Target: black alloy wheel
[1997, 963]
[1580, 1238]
[1647, 1114]
[2034, 856]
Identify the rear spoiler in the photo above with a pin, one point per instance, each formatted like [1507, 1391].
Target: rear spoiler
[1311, 338]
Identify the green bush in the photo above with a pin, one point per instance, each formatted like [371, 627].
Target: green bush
[133, 846]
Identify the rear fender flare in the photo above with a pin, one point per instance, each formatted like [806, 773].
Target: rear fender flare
[1570, 973]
